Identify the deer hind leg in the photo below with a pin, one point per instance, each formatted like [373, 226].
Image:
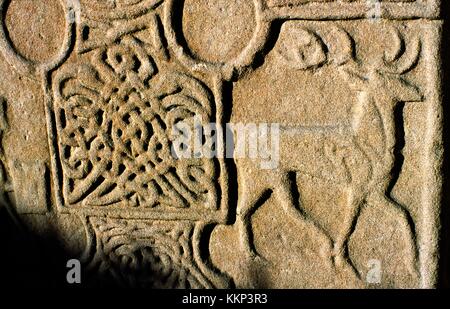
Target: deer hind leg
[252, 196]
[284, 192]
[340, 254]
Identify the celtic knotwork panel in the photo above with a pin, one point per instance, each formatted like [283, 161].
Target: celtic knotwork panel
[136, 253]
[115, 110]
[223, 143]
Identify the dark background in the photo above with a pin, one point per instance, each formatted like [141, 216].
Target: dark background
[444, 281]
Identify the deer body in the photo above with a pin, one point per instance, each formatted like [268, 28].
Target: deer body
[359, 157]
[343, 163]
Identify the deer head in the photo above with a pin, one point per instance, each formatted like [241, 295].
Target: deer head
[383, 78]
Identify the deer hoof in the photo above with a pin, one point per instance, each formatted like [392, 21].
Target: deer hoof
[256, 257]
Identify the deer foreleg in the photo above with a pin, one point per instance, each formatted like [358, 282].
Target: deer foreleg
[406, 224]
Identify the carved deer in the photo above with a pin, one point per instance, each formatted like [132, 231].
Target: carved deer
[359, 156]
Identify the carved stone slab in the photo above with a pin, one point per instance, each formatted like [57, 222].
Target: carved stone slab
[344, 193]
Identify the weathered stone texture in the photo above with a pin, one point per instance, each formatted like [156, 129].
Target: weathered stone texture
[90, 92]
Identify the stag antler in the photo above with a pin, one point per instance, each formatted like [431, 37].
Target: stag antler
[402, 60]
[385, 73]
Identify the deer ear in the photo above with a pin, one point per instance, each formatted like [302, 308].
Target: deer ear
[354, 77]
[403, 91]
